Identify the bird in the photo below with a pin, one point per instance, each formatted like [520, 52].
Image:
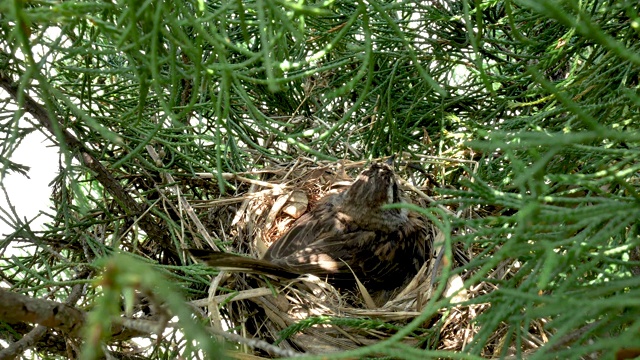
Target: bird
[346, 235]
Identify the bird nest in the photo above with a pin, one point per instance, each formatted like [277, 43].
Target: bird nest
[308, 314]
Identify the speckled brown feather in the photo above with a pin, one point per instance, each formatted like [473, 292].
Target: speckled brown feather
[349, 232]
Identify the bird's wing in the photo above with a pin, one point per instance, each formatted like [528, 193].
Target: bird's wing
[322, 222]
[375, 257]
[338, 255]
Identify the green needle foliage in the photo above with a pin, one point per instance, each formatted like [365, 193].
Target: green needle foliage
[139, 97]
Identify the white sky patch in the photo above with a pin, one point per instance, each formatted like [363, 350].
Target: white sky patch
[30, 195]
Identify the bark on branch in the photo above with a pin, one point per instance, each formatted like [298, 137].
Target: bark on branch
[18, 308]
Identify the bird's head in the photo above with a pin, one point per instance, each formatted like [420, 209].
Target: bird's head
[374, 187]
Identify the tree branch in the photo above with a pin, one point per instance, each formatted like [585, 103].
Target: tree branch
[127, 203]
[17, 308]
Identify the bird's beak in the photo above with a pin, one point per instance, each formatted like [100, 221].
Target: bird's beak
[391, 159]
